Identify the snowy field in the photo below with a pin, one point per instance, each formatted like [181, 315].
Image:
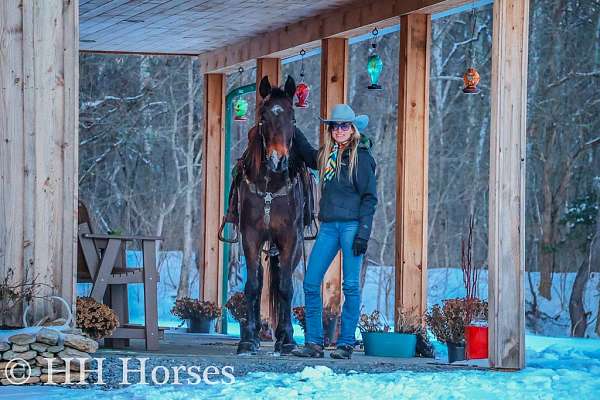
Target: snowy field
[557, 368]
[442, 283]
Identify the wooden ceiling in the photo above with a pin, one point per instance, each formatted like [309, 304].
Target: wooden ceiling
[186, 26]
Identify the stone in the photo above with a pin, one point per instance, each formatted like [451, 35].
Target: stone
[81, 343]
[27, 355]
[19, 348]
[4, 346]
[74, 331]
[48, 336]
[61, 378]
[56, 322]
[30, 380]
[39, 347]
[43, 362]
[47, 354]
[55, 349]
[36, 371]
[22, 339]
[69, 352]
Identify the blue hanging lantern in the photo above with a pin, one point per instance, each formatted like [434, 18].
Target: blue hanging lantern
[374, 64]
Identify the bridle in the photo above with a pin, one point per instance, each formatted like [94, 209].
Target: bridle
[283, 191]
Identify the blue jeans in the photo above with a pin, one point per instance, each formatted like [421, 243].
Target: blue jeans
[333, 236]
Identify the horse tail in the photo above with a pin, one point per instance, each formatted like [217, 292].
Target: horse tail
[273, 290]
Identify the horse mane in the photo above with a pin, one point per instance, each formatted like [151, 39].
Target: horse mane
[255, 150]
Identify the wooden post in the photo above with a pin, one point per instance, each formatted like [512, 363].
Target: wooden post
[213, 187]
[506, 257]
[39, 77]
[412, 165]
[334, 77]
[270, 67]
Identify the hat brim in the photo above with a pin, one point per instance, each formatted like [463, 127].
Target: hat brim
[360, 122]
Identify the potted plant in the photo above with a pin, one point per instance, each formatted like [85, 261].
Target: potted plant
[476, 329]
[379, 341]
[198, 314]
[300, 317]
[237, 307]
[448, 321]
[331, 321]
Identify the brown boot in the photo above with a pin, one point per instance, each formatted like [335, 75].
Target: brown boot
[311, 350]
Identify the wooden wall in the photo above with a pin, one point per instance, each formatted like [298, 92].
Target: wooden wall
[39, 74]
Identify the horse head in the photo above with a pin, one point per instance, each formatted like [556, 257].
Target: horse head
[276, 123]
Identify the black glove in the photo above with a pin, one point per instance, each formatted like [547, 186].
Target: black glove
[359, 246]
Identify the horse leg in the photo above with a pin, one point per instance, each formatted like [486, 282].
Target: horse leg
[247, 344]
[284, 333]
[256, 311]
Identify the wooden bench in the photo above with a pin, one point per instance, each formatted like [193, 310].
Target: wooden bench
[102, 262]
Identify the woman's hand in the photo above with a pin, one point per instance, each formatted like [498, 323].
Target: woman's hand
[359, 246]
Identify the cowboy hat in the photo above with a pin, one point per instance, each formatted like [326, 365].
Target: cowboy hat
[344, 113]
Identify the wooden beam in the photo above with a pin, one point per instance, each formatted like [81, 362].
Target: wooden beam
[213, 187]
[506, 257]
[270, 67]
[412, 165]
[334, 86]
[354, 19]
[38, 148]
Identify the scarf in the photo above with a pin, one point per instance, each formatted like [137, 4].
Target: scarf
[331, 166]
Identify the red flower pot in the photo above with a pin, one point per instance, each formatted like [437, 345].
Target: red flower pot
[477, 342]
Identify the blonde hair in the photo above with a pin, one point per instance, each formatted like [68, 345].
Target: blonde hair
[328, 143]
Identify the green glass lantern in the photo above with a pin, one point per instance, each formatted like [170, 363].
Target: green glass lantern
[240, 109]
[374, 64]
[374, 67]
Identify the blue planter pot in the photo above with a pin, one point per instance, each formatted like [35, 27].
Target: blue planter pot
[389, 344]
[196, 325]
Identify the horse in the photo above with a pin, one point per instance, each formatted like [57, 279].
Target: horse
[271, 207]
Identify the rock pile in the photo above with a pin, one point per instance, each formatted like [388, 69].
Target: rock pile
[38, 350]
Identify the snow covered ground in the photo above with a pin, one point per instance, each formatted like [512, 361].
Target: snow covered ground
[443, 283]
[557, 368]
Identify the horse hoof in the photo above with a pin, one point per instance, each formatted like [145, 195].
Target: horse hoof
[246, 348]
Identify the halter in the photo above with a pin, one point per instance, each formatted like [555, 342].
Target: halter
[267, 196]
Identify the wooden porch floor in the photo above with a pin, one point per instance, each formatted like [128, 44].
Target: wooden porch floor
[220, 350]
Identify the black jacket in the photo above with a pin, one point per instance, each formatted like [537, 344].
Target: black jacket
[344, 199]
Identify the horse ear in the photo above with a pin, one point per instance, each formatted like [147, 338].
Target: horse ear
[264, 89]
[290, 87]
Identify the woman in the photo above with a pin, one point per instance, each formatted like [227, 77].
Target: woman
[346, 208]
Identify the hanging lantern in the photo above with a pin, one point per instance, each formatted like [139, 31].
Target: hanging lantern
[240, 105]
[240, 109]
[302, 92]
[374, 64]
[302, 89]
[471, 77]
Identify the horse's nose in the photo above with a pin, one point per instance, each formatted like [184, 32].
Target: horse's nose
[275, 158]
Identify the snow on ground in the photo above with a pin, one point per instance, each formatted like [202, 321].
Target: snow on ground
[443, 283]
[557, 368]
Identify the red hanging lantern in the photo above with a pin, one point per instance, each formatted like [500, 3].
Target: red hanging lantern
[302, 89]
[302, 92]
